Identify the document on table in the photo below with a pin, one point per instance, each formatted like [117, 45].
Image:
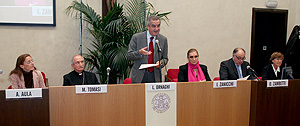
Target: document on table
[143, 66]
[245, 78]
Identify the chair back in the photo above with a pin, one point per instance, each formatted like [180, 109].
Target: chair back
[172, 75]
[127, 81]
[216, 78]
[260, 78]
[45, 79]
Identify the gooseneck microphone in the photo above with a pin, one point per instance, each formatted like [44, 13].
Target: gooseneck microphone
[249, 68]
[159, 54]
[157, 43]
[107, 77]
[254, 73]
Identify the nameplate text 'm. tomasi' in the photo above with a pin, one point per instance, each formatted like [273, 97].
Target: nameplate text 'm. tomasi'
[277, 83]
[224, 84]
[24, 93]
[81, 89]
[161, 86]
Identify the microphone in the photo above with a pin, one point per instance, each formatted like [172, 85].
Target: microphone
[1, 71]
[249, 68]
[254, 73]
[157, 42]
[108, 70]
[107, 77]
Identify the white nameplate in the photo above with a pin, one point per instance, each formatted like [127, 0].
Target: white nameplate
[24, 93]
[161, 86]
[277, 83]
[91, 89]
[224, 84]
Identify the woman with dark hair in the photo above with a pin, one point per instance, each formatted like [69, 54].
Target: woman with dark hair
[25, 74]
[193, 71]
[273, 71]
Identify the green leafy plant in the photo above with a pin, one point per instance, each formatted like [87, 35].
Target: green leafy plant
[112, 34]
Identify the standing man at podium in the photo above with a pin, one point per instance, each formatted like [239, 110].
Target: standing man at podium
[236, 67]
[78, 76]
[148, 47]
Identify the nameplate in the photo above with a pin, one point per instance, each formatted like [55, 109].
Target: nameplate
[80, 89]
[161, 86]
[224, 84]
[277, 83]
[24, 93]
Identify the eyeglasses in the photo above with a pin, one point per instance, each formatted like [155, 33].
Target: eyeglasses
[278, 59]
[193, 57]
[239, 58]
[29, 62]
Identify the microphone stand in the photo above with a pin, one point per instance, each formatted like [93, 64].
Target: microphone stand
[107, 77]
[254, 73]
[159, 58]
[256, 77]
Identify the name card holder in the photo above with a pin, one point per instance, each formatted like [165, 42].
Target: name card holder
[83, 89]
[277, 83]
[161, 86]
[23, 93]
[224, 84]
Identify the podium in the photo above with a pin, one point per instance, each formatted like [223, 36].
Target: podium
[198, 103]
[24, 112]
[275, 106]
[122, 105]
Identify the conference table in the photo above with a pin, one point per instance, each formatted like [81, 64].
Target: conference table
[251, 103]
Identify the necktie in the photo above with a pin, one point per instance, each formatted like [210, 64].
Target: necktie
[239, 71]
[150, 57]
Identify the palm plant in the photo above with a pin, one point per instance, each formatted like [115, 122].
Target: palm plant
[112, 34]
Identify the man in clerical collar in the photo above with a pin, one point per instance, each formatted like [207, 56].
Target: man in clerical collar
[78, 76]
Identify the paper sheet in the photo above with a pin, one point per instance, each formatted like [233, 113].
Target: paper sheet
[245, 78]
[143, 66]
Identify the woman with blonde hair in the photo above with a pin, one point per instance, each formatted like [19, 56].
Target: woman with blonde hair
[193, 71]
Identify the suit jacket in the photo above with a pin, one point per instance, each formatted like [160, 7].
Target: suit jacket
[269, 74]
[73, 78]
[138, 41]
[183, 73]
[18, 83]
[228, 70]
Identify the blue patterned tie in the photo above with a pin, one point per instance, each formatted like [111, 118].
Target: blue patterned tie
[239, 72]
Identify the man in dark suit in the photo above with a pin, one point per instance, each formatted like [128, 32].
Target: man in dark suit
[148, 47]
[235, 67]
[78, 76]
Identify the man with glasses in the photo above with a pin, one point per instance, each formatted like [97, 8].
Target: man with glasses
[236, 67]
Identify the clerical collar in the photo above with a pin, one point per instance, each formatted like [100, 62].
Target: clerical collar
[79, 73]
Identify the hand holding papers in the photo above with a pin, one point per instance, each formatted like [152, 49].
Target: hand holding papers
[143, 66]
